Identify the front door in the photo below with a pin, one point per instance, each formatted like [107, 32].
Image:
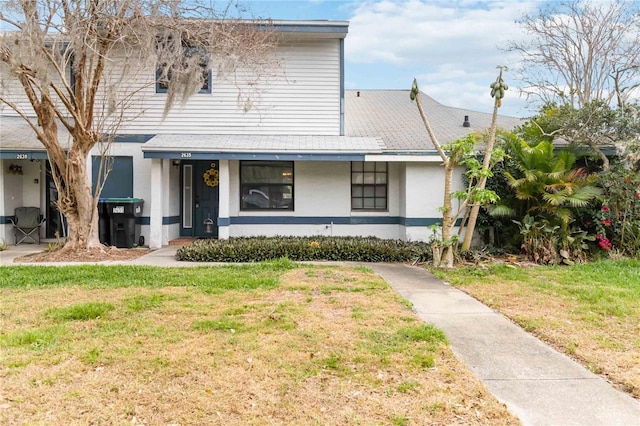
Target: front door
[200, 198]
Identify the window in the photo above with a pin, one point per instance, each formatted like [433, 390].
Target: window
[192, 54]
[266, 185]
[162, 86]
[368, 185]
[187, 196]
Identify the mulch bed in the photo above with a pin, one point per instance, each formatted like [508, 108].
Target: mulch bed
[98, 254]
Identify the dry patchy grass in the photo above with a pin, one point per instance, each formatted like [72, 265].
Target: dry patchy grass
[587, 319]
[327, 346]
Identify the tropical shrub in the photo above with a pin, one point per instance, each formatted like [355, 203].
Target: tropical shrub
[539, 239]
[257, 249]
[549, 191]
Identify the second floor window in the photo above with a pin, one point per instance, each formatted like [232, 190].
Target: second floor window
[194, 68]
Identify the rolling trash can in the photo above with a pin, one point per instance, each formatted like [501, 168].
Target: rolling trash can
[123, 214]
[104, 230]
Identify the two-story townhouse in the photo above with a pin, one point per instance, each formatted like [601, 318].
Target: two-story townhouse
[308, 158]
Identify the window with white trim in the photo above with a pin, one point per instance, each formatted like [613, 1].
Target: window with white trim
[369, 185]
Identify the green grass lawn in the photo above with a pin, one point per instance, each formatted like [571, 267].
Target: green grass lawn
[589, 311]
[269, 343]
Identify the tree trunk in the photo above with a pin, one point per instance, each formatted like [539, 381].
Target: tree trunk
[447, 220]
[605, 160]
[445, 252]
[70, 174]
[78, 205]
[482, 183]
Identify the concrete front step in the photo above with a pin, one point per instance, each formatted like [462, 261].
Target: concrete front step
[182, 241]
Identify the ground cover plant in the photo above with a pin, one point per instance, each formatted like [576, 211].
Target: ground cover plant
[269, 343]
[589, 311]
[257, 249]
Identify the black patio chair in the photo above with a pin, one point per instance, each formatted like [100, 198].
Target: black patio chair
[26, 224]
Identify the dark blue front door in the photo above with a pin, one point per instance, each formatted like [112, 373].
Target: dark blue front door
[205, 179]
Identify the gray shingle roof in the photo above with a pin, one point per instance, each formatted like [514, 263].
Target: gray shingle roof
[376, 121]
[16, 134]
[261, 143]
[392, 116]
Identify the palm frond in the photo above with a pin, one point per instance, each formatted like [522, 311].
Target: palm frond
[501, 210]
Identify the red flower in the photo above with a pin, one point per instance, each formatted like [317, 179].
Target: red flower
[605, 208]
[637, 195]
[604, 243]
[605, 222]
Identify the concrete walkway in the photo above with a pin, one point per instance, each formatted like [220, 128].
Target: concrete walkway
[538, 384]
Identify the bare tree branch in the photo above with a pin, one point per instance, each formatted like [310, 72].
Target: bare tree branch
[574, 45]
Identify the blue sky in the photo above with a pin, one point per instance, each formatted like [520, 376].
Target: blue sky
[451, 47]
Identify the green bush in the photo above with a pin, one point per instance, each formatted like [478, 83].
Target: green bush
[258, 249]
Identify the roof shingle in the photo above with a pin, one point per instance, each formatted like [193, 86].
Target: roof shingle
[392, 116]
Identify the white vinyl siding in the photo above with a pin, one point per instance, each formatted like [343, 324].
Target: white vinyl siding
[301, 97]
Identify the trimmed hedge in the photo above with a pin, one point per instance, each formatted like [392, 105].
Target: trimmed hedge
[258, 249]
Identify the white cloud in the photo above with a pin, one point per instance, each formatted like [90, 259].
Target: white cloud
[453, 48]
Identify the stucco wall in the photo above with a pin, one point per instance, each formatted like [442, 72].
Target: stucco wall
[323, 197]
[20, 190]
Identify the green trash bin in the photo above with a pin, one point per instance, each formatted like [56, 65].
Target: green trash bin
[123, 214]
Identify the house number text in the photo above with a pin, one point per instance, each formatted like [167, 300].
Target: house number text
[22, 157]
[185, 155]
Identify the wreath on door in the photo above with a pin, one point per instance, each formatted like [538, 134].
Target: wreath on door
[211, 178]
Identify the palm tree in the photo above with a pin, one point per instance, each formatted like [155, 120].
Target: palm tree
[548, 189]
[548, 183]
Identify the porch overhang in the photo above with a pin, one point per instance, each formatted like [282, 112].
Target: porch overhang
[15, 154]
[18, 141]
[260, 147]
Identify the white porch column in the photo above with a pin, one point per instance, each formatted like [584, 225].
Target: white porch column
[166, 200]
[5, 230]
[155, 205]
[223, 200]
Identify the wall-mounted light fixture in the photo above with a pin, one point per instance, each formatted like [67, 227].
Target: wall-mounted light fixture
[14, 169]
[175, 163]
